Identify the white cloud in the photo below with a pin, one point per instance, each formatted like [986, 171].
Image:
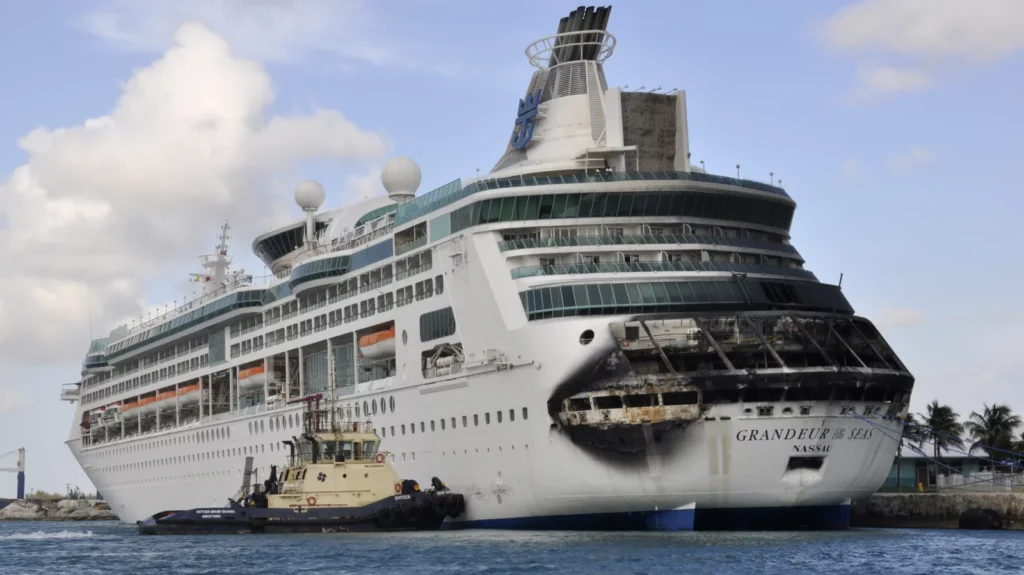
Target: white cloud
[102, 209]
[875, 81]
[267, 30]
[925, 35]
[11, 401]
[364, 186]
[915, 157]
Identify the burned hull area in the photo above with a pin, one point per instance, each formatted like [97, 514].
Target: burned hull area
[667, 372]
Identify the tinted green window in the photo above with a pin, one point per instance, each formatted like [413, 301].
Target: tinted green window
[437, 324]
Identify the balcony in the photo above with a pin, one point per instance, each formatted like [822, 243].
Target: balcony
[647, 267]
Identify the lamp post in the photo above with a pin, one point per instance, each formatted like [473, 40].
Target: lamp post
[771, 176]
[737, 171]
[705, 170]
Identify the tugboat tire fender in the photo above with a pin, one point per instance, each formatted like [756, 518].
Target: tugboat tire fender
[385, 516]
[311, 500]
[398, 488]
[380, 458]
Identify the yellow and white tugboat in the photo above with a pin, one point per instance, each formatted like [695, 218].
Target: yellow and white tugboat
[336, 480]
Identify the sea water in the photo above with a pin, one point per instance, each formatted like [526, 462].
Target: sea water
[109, 547]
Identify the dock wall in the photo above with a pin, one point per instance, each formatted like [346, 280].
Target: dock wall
[934, 510]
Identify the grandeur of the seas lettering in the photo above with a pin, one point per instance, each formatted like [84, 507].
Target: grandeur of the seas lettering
[805, 434]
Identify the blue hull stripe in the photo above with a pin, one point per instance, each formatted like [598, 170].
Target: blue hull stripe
[750, 518]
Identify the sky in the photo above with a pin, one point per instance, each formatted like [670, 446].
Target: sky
[130, 130]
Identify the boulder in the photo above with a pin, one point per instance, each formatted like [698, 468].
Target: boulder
[23, 511]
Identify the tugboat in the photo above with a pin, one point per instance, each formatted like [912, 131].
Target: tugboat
[336, 480]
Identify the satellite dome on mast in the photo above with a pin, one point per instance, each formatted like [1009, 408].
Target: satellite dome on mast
[401, 177]
[310, 196]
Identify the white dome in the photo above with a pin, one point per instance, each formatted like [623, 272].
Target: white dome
[309, 195]
[401, 177]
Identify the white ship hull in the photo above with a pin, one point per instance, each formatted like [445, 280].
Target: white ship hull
[524, 473]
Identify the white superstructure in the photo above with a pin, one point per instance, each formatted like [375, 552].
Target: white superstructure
[595, 334]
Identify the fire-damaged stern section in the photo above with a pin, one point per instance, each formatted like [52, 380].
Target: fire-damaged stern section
[666, 373]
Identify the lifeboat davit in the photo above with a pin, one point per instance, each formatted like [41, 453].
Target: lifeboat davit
[189, 394]
[130, 410]
[379, 344]
[252, 378]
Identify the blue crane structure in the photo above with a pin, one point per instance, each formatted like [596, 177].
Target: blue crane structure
[20, 469]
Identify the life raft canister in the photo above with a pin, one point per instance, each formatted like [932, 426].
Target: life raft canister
[398, 488]
[380, 458]
[311, 500]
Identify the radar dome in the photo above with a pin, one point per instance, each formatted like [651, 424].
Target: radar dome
[401, 177]
[309, 195]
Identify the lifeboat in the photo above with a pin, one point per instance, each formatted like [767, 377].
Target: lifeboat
[189, 394]
[130, 409]
[97, 413]
[166, 400]
[379, 344]
[252, 378]
[112, 415]
[147, 405]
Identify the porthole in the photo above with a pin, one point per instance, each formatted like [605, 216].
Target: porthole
[374, 403]
[586, 337]
[366, 408]
[262, 429]
[405, 337]
[383, 406]
[391, 403]
[250, 428]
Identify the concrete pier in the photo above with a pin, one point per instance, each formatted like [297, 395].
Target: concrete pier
[934, 510]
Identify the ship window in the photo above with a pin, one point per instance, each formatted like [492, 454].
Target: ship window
[439, 284]
[442, 424]
[476, 419]
[431, 425]
[383, 406]
[403, 429]
[423, 427]
[487, 418]
[464, 421]
[511, 415]
[366, 408]
[453, 423]
[383, 431]
[374, 407]
[392, 431]
[391, 401]
[498, 413]
[526, 414]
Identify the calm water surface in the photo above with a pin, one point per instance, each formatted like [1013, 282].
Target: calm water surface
[53, 548]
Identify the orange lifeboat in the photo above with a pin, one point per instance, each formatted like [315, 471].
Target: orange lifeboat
[379, 344]
[130, 408]
[165, 400]
[252, 378]
[189, 394]
[147, 405]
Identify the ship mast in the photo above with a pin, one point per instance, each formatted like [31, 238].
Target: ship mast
[216, 264]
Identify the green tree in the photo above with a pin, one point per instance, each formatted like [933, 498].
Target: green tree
[941, 427]
[993, 428]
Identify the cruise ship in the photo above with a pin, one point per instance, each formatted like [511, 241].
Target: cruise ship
[596, 334]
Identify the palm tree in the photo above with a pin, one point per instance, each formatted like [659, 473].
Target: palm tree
[993, 428]
[941, 427]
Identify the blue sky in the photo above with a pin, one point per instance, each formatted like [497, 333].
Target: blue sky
[894, 124]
